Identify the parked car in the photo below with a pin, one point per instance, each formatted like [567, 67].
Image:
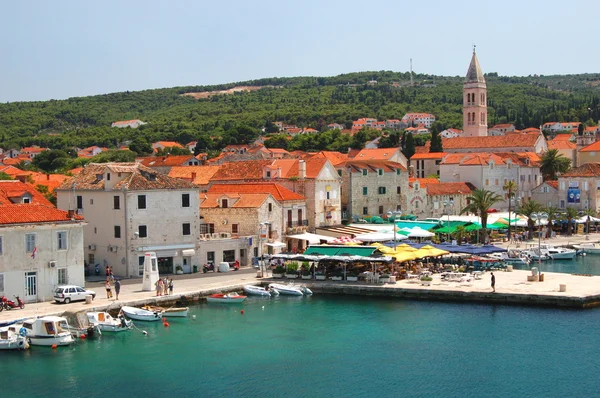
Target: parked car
[67, 293]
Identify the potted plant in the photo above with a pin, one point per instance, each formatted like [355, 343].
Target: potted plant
[320, 276]
[384, 278]
[278, 272]
[352, 276]
[291, 270]
[426, 280]
[178, 269]
[337, 276]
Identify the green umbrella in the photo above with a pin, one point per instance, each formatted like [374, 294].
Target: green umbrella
[445, 230]
[473, 227]
[497, 225]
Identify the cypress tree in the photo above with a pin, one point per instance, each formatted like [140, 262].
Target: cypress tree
[409, 149]
[436, 141]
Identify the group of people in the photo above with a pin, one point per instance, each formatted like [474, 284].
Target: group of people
[108, 287]
[164, 286]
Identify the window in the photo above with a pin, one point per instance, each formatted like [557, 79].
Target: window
[496, 181]
[381, 190]
[585, 185]
[380, 210]
[187, 229]
[562, 204]
[270, 206]
[61, 240]
[224, 203]
[29, 243]
[1, 248]
[365, 172]
[229, 256]
[365, 191]
[398, 171]
[328, 195]
[211, 228]
[63, 277]
[91, 201]
[234, 228]
[116, 202]
[398, 190]
[339, 172]
[268, 174]
[118, 231]
[142, 231]
[365, 211]
[380, 172]
[1, 282]
[185, 200]
[140, 265]
[487, 182]
[141, 201]
[108, 176]
[79, 202]
[416, 204]
[562, 185]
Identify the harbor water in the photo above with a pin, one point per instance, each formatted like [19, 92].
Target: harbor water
[326, 346]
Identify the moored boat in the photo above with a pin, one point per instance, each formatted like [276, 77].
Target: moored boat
[260, 291]
[140, 314]
[225, 298]
[79, 325]
[287, 290]
[559, 253]
[13, 337]
[591, 248]
[106, 323]
[177, 312]
[512, 257]
[48, 331]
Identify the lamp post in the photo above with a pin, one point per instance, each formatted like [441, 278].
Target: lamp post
[393, 214]
[446, 204]
[261, 262]
[539, 218]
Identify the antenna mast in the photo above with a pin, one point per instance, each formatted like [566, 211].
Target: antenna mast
[411, 74]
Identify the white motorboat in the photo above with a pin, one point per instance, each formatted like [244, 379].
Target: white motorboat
[225, 298]
[590, 248]
[287, 290]
[106, 323]
[511, 257]
[13, 337]
[48, 331]
[171, 312]
[537, 255]
[559, 253]
[139, 314]
[260, 291]
[79, 325]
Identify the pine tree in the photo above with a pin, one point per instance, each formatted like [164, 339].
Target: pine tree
[409, 149]
[436, 141]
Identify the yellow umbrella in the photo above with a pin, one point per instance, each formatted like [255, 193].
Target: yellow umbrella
[430, 251]
[405, 256]
[384, 249]
[403, 247]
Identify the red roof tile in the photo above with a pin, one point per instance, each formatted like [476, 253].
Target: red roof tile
[243, 200]
[359, 165]
[561, 145]
[13, 189]
[428, 155]
[34, 213]
[450, 188]
[585, 170]
[423, 182]
[278, 192]
[595, 147]
[503, 141]
[166, 161]
[198, 175]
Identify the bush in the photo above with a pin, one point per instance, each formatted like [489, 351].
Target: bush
[279, 270]
[426, 278]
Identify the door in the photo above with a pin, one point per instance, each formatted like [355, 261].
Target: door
[243, 257]
[30, 286]
[289, 219]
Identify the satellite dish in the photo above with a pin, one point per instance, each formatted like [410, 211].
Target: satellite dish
[224, 221]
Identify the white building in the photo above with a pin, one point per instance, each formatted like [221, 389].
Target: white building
[131, 209]
[415, 119]
[134, 124]
[451, 133]
[40, 246]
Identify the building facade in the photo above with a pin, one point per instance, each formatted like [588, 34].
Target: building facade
[474, 101]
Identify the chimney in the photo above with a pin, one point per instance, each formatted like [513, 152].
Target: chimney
[193, 176]
[47, 177]
[301, 169]
[71, 214]
[22, 178]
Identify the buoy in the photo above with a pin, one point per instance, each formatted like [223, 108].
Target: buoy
[82, 337]
[242, 312]
[166, 324]
[144, 332]
[54, 346]
[193, 316]
[263, 307]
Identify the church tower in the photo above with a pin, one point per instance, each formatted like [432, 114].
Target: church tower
[474, 101]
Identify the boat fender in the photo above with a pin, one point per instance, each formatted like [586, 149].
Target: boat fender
[242, 312]
[23, 332]
[82, 337]
[166, 324]
[54, 346]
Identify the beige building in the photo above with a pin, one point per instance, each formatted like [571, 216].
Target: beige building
[589, 154]
[426, 164]
[474, 101]
[547, 194]
[580, 187]
[427, 197]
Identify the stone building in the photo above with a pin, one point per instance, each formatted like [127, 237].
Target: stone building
[546, 193]
[426, 164]
[427, 197]
[474, 101]
[580, 187]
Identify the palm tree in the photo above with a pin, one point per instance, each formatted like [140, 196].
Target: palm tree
[589, 213]
[553, 163]
[527, 209]
[569, 215]
[459, 233]
[552, 216]
[510, 187]
[479, 202]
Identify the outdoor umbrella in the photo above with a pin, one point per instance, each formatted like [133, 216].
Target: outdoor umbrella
[473, 227]
[447, 229]
[418, 232]
[343, 240]
[379, 236]
[430, 251]
[405, 256]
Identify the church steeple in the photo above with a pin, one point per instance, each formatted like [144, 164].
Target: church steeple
[474, 100]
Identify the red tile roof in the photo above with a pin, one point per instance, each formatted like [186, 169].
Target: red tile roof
[423, 182]
[278, 192]
[562, 137]
[14, 189]
[483, 143]
[253, 169]
[34, 213]
[334, 157]
[428, 155]
[499, 158]
[561, 145]
[373, 154]
[585, 170]
[373, 165]
[450, 188]
[595, 147]
[198, 175]
[166, 161]
[168, 144]
[245, 200]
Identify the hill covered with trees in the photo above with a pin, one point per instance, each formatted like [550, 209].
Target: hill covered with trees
[314, 102]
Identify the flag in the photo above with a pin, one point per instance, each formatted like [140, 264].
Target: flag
[33, 252]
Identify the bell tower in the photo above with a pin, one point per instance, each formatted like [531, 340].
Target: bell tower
[474, 101]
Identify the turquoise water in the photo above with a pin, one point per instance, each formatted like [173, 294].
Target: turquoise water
[327, 346]
[588, 264]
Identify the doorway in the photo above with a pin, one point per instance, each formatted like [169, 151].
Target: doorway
[30, 286]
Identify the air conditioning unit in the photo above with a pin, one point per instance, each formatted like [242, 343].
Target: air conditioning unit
[215, 236]
[51, 264]
[207, 236]
[92, 247]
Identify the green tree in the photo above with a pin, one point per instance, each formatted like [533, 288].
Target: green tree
[114, 155]
[553, 163]
[569, 215]
[526, 209]
[173, 151]
[51, 161]
[589, 213]
[436, 141]
[510, 187]
[270, 128]
[480, 201]
[277, 141]
[410, 148]
[140, 146]
[4, 176]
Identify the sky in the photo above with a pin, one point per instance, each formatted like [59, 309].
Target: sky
[70, 48]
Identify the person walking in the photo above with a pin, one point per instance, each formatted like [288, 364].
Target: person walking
[171, 286]
[112, 275]
[108, 289]
[165, 286]
[117, 288]
[493, 283]
[159, 287]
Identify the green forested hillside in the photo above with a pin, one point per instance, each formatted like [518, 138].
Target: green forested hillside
[304, 101]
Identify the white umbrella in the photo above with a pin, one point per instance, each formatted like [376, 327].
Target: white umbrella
[418, 232]
[380, 237]
[584, 219]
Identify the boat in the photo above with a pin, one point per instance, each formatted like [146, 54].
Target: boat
[260, 291]
[590, 248]
[48, 331]
[537, 255]
[79, 325]
[177, 312]
[13, 337]
[512, 257]
[559, 253]
[106, 323]
[225, 298]
[287, 290]
[140, 314]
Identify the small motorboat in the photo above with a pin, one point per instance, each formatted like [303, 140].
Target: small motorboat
[48, 331]
[589, 248]
[260, 291]
[140, 314]
[513, 257]
[13, 337]
[287, 290]
[225, 298]
[176, 312]
[79, 325]
[559, 253]
[106, 323]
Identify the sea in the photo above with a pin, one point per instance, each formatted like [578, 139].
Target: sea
[329, 346]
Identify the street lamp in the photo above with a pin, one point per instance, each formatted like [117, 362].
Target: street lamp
[446, 204]
[261, 262]
[393, 214]
[539, 218]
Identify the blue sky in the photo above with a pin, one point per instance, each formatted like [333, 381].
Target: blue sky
[65, 48]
